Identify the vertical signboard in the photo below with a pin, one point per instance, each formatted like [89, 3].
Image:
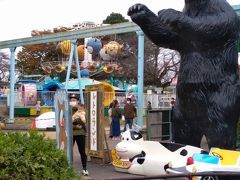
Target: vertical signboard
[93, 121]
[97, 98]
[94, 104]
[63, 123]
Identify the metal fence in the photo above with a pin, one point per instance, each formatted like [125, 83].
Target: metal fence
[28, 99]
[159, 125]
[158, 101]
[46, 98]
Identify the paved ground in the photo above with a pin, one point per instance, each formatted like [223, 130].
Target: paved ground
[99, 170]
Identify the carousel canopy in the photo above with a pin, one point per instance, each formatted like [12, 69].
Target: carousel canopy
[73, 84]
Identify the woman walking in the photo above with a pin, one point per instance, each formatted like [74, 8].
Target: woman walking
[116, 116]
[79, 135]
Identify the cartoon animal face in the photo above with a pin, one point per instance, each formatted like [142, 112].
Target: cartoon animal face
[130, 144]
[104, 55]
[113, 48]
[127, 150]
[132, 136]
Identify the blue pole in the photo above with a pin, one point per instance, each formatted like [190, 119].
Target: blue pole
[68, 125]
[12, 79]
[69, 67]
[140, 77]
[78, 73]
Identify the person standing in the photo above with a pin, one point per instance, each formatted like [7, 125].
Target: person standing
[116, 116]
[110, 119]
[172, 103]
[79, 135]
[129, 114]
[149, 106]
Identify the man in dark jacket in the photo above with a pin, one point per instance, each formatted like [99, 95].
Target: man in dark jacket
[129, 113]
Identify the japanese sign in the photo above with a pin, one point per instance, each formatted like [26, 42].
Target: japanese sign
[93, 121]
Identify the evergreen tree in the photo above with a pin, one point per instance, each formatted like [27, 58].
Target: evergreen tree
[114, 18]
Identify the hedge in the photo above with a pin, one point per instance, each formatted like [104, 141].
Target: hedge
[31, 156]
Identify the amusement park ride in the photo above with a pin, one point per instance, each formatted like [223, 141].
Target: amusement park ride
[68, 47]
[108, 64]
[93, 46]
[43, 88]
[135, 155]
[98, 59]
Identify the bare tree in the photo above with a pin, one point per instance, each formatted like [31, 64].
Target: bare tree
[160, 65]
[4, 66]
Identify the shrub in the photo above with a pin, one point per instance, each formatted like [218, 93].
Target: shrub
[32, 156]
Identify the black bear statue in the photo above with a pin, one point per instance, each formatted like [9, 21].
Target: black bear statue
[205, 34]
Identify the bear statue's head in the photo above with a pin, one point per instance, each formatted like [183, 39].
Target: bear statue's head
[195, 8]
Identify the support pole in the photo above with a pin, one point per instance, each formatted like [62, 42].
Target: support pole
[69, 67]
[75, 54]
[140, 77]
[12, 81]
[78, 72]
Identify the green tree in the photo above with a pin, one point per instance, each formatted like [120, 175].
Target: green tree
[114, 18]
[31, 57]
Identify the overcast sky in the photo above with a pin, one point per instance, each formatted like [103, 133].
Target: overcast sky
[19, 17]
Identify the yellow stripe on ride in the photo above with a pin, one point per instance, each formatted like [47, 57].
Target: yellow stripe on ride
[227, 157]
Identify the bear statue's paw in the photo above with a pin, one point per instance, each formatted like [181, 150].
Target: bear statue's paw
[137, 11]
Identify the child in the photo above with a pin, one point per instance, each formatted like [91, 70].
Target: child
[38, 108]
